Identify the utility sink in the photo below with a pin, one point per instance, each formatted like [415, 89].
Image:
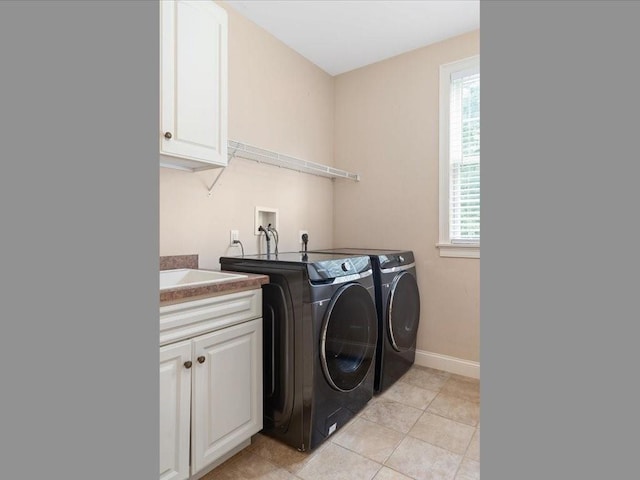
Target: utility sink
[188, 277]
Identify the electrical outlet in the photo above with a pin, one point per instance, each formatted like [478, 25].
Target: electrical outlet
[233, 235]
[300, 233]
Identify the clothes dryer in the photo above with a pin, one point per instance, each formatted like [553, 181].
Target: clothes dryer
[398, 307]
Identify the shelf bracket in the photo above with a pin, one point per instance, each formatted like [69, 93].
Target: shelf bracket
[216, 180]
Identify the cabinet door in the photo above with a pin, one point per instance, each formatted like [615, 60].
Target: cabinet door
[226, 392]
[193, 84]
[175, 396]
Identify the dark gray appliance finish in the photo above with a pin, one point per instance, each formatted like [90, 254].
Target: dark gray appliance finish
[319, 340]
[398, 307]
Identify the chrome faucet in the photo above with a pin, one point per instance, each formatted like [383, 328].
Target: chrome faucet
[274, 232]
[266, 234]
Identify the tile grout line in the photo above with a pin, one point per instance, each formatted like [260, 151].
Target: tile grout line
[361, 455]
[304, 462]
[468, 446]
[407, 435]
[424, 410]
[383, 464]
[457, 421]
[400, 473]
[277, 467]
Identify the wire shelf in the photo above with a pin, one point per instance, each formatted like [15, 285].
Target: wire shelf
[249, 152]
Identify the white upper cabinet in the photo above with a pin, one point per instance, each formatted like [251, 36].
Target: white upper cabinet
[193, 84]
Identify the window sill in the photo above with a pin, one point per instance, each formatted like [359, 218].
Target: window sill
[459, 250]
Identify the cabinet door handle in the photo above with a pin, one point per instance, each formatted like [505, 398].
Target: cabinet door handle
[201, 359]
[167, 135]
[187, 364]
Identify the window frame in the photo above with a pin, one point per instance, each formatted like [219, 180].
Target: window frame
[445, 246]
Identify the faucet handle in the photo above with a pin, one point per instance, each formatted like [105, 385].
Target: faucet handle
[266, 233]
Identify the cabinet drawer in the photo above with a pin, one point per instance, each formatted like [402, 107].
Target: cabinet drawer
[188, 319]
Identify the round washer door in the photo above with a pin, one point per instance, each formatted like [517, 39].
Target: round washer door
[403, 312]
[348, 337]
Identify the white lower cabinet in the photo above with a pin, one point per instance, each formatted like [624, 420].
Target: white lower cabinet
[227, 405]
[210, 397]
[175, 410]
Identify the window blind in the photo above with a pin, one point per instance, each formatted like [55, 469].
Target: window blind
[464, 157]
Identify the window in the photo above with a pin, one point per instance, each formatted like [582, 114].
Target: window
[460, 159]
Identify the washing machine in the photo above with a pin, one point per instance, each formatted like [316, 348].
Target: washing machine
[320, 335]
[398, 307]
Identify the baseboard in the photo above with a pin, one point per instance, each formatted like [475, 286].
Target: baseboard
[448, 364]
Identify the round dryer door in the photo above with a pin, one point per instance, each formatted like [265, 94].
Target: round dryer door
[403, 312]
[348, 337]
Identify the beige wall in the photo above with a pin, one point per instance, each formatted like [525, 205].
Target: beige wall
[279, 101]
[386, 129]
[380, 121]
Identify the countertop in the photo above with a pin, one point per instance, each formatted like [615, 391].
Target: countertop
[185, 294]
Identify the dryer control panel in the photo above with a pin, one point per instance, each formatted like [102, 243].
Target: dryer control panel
[395, 260]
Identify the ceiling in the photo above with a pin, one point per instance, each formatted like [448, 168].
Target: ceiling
[342, 35]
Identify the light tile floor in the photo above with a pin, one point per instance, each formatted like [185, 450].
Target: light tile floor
[424, 427]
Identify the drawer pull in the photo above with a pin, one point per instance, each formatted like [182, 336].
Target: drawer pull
[201, 359]
[187, 364]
